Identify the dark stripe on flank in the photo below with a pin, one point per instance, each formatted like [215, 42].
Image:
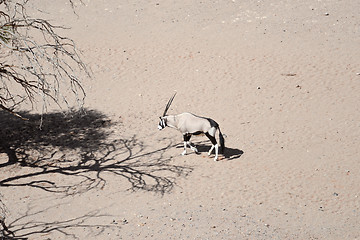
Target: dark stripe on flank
[198, 133]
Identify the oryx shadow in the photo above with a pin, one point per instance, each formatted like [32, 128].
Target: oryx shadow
[204, 147]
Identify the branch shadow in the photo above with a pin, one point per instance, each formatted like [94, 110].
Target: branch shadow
[25, 226]
[84, 147]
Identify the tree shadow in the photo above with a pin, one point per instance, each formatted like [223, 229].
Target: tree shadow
[229, 153]
[25, 226]
[84, 147]
[71, 154]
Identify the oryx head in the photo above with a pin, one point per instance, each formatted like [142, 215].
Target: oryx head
[162, 123]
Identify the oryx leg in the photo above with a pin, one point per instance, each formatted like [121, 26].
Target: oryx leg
[214, 145]
[187, 137]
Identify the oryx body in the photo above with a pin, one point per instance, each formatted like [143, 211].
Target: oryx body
[189, 124]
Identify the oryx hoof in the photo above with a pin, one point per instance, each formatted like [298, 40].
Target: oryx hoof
[183, 153]
[215, 159]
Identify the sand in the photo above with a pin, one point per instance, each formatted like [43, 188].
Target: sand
[281, 79]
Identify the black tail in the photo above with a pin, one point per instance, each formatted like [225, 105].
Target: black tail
[222, 141]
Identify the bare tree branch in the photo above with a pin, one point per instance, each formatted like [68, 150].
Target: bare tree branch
[37, 65]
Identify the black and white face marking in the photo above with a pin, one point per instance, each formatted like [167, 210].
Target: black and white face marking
[162, 123]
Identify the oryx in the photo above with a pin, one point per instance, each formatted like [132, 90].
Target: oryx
[189, 124]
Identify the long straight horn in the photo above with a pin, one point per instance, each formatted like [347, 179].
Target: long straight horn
[168, 104]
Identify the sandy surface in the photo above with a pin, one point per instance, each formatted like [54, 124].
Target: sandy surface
[280, 77]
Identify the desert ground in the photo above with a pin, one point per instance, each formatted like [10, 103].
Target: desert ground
[282, 79]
